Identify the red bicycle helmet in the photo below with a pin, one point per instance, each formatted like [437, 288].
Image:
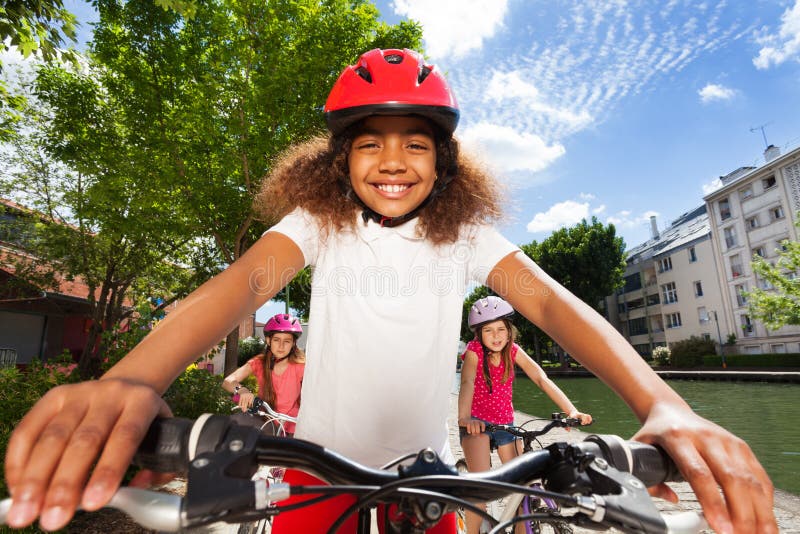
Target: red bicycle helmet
[283, 322]
[390, 82]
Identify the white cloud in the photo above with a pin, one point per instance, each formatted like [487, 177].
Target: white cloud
[509, 150]
[510, 86]
[454, 27]
[713, 91]
[560, 78]
[786, 44]
[711, 186]
[565, 213]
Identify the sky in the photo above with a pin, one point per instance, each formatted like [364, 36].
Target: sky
[609, 108]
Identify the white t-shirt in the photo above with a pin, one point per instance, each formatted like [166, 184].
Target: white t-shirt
[383, 334]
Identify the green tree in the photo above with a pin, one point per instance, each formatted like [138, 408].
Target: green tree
[31, 27]
[215, 97]
[99, 215]
[588, 259]
[779, 306]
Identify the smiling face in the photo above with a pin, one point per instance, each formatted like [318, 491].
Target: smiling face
[495, 335]
[393, 163]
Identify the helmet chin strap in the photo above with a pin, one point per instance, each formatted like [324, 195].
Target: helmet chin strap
[388, 222]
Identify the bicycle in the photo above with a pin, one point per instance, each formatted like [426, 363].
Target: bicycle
[518, 503]
[272, 475]
[602, 481]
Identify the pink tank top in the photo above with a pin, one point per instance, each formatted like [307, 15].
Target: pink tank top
[287, 387]
[496, 407]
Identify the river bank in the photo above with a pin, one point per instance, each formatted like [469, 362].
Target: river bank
[791, 376]
[787, 505]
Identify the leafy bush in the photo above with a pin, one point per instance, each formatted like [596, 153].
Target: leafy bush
[690, 352]
[661, 355]
[248, 348]
[19, 391]
[755, 360]
[196, 392]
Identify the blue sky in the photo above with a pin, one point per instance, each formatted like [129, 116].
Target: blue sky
[618, 109]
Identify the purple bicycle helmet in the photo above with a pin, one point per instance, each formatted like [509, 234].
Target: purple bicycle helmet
[488, 309]
[283, 322]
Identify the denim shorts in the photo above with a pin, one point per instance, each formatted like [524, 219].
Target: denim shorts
[498, 438]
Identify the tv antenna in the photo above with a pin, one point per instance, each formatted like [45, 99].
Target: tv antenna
[763, 133]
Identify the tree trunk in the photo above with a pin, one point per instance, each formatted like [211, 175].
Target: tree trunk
[562, 358]
[232, 351]
[537, 351]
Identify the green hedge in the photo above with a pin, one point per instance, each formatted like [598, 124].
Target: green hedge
[789, 359]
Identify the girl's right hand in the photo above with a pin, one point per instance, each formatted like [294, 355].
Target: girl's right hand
[473, 426]
[70, 429]
[245, 399]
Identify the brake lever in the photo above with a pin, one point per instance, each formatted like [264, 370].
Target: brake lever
[621, 501]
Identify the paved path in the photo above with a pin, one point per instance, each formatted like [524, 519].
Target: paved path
[787, 505]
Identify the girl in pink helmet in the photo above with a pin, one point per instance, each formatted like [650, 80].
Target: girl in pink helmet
[397, 223]
[278, 370]
[487, 376]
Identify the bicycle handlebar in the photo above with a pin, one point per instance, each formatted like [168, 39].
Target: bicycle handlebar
[600, 477]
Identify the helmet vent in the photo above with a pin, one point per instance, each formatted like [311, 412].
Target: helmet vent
[393, 58]
[423, 73]
[364, 73]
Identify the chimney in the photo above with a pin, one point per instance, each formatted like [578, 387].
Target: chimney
[772, 152]
[653, 227]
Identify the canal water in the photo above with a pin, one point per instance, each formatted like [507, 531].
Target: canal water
[765, 415]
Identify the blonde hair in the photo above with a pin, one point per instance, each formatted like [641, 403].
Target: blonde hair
[314, 175]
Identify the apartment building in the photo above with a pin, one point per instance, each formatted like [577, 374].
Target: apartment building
[671, 289]
[753, 213]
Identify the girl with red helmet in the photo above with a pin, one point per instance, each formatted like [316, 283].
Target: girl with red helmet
[397, 223]
[278, 370]
[487, 376]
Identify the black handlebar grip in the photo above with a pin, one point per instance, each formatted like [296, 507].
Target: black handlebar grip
[165, 446]
[652, 465]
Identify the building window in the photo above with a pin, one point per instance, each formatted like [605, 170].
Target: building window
[741, 299]
[632, 282]
[730, 236]
[637, 327]
[768, 182]
[653, 299]
[764, 284]
[778, 348]
[702, 314]
[759, 251]
[781, 245]
[698, 288]
[673, 320]
[692, 255]
[635, 304]
[747, 326]
[746, 193]
[752, 222]
[724, 209]
[669, 293]
[736, 266]
[777, 213]
[621, 307]
[707, 337]
[665, 264]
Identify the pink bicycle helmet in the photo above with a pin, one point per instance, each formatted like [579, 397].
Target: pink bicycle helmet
[283, 322]
[488, 309]
[390, 82]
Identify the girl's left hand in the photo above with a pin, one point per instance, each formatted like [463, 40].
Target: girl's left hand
[586, 419]
[711, 458]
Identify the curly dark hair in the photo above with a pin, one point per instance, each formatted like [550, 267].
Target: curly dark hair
[314, 175]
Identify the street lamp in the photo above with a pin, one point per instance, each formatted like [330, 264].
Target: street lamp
[719, 335]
